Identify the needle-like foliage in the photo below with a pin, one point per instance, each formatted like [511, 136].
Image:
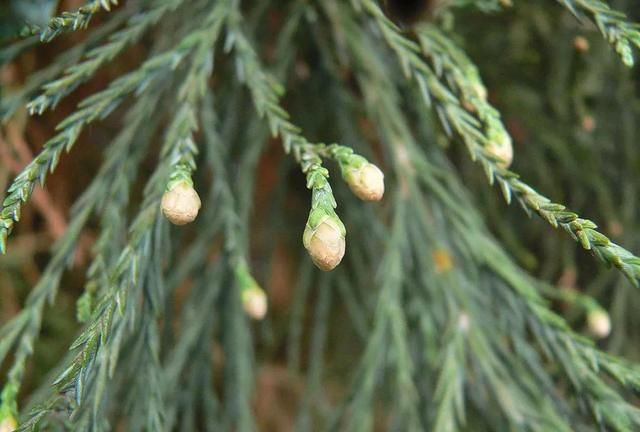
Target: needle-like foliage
[438, 311]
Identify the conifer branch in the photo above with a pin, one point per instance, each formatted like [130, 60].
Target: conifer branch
[183, 150]
[614, 25]
[124, 276]
[581, 230]
[22, 331]
[92, 108]
[265, 89]
[12, 101]
[141, 125]
[236, 337]
[570, 351]
[72, 21]
[75, 75]
[388, 329]
[552, 334]
[235, 234]
[465, 80]
[193, 346]
[144, 396]
[267, 93]
[150, 379]
[448, 333]
[389, 321]
[564, 342]
[449, 388]
[194, 343]
[456, 119]
[109, 315]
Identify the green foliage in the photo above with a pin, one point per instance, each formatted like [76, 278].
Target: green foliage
[428, 317]
[71, 21]
[15, 15]
[621, 34]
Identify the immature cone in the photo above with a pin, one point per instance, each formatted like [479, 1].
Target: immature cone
[599, 323]
[588, 123]
[181, 204]
[502, 149]
[325, 244]
[366, 182]
[581, 44]
[254, 302]
[8, 424]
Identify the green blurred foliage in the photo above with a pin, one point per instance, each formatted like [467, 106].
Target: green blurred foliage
[15, 15]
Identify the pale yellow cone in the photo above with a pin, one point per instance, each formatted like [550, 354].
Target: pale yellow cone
[326, 245]
[254, 302]
[599, 323]
[181, 204]
[367, 182]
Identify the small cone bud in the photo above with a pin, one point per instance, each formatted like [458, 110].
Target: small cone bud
[8, 424]
[581, 44]
[502, 149]
[588, 123]
[325, 244]
[181, 204]
[599, 323]
[366, 182]
[254, 302]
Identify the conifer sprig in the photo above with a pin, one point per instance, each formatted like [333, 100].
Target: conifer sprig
[79, 73]
[267, 93]
[614, 25]
[193, 348]
[449, 332]
[584, 231]
[236, 337]
[183, 150]
[324, 232]
[21, 332]
[570, 351]
[389, 331]
[236, 236]
[72, 21]
[125, 274]
[318, 182]
[113, 209]
[456, 119]
[265, 89]
[551, 331]
[15, 100]
[92, 108]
